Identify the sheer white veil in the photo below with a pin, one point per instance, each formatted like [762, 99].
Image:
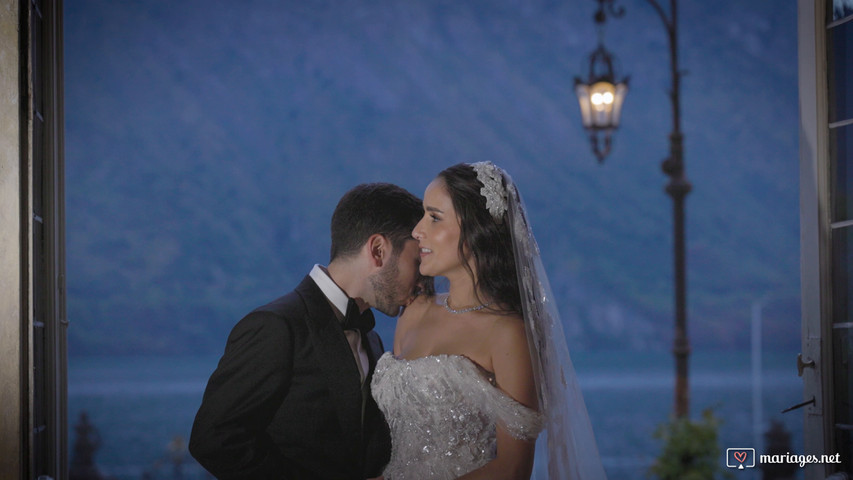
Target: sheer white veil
[571, 448]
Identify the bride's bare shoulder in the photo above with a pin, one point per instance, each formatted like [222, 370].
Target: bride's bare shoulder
[508, 328]
[408, 322]
[416, 310]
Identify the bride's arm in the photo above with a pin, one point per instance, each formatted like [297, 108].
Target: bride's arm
[513, 375]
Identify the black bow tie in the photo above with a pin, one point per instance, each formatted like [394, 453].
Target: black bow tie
[355, 319]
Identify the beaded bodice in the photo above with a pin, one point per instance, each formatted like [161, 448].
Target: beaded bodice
[443, 411]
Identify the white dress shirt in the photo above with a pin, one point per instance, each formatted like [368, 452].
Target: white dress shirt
[339, 300]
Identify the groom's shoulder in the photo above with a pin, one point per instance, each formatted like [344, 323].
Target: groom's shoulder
[283, 316]
[292, 303]
[287, 304]
[286, 312]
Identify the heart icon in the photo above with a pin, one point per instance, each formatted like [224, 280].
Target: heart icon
[740, 456]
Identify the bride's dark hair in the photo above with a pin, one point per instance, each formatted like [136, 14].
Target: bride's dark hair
[486, 239]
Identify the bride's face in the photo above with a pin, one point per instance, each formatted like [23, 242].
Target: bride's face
[438, 233]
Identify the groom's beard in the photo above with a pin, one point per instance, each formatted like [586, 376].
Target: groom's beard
[386, 289]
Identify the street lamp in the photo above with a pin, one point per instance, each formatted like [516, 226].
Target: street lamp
[677, 188]
[600, 96]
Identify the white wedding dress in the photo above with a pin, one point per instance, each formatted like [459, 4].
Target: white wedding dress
[443, 411]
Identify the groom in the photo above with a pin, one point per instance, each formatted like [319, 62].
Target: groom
[290, 398]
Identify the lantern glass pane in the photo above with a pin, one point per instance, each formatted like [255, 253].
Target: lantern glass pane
[582, 91]
[621, 91]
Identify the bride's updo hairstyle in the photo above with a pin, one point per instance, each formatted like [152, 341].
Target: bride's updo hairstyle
[485, 238]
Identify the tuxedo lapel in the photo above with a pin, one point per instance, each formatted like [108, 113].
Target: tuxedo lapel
[334, 357]
[373, 344]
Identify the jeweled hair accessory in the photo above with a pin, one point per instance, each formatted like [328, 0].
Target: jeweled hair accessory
[493, 188]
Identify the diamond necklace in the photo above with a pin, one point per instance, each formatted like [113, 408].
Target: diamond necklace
[463, 310]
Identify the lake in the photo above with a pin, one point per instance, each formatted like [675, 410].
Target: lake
[142, 404]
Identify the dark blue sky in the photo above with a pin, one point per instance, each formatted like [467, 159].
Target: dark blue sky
[207, 143]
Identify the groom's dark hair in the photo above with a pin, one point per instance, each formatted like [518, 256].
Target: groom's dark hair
[371, 208]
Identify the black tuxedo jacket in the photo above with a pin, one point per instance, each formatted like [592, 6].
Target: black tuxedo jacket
[285, 401]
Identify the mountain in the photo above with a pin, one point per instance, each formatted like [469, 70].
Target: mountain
[207, 143]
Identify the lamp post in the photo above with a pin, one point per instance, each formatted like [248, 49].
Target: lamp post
[677, 188]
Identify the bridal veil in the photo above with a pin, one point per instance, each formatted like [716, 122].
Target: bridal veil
[571, 448]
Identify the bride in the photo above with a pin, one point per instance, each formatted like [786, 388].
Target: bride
[477, 372]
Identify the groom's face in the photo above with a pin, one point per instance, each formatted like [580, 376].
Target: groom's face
[394, 283]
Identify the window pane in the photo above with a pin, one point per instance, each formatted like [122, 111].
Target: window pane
[842, 267]
[840, 72]
[841, 141]
[843, 341]
[842, 338]
[844, 440]
[843, 386]
[841, 9]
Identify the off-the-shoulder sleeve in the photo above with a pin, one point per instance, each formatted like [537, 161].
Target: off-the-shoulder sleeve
[521, 422]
